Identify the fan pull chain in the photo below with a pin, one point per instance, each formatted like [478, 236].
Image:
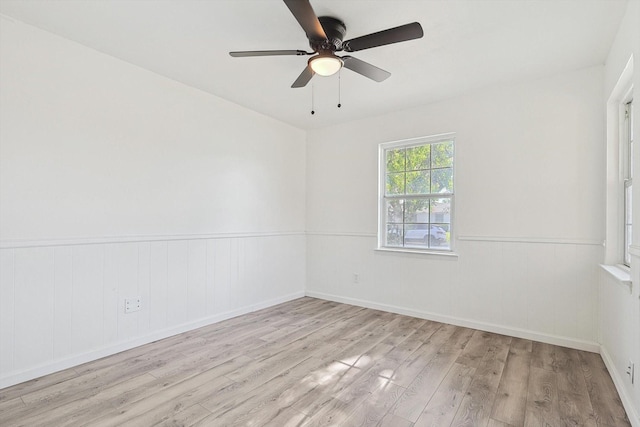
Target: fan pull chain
[339, 87]
[312, 100]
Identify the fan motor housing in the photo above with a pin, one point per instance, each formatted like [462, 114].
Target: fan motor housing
[335, 31]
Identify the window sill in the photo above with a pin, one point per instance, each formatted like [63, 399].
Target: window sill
[419, 252]
[621, 273]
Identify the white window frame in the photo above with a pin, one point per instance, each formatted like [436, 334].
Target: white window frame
[407, 143]
[614, 250]
[626, 156]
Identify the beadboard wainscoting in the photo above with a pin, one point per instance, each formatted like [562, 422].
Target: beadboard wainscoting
[541, 290]
[619, 333]
[61, 305]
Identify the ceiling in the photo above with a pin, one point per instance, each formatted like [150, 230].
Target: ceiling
[468, 44]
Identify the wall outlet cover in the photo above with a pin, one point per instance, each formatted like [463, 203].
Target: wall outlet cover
[132, 304]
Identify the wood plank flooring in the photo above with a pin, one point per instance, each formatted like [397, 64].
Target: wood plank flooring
[311, 362]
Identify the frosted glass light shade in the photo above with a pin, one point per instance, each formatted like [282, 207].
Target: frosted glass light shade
[325, 65]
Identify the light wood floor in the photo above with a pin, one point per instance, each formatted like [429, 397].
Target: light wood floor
[313, 362]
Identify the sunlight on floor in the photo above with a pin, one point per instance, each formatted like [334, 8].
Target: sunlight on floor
[357, 361]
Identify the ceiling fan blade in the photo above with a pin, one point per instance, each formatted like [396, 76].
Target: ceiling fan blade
[303, 12]
[245, 53]
[304, 77]
[392, 35]
[364, 68]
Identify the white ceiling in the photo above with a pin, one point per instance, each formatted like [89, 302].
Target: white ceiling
[468, 44]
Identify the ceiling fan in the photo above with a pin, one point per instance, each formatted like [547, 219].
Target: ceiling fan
[325, 36]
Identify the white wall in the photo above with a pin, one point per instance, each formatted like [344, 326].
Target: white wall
[619, 308]
[92, 147]
[529, 211]
[116, 182]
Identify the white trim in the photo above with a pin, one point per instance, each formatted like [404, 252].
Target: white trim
[626, 151]
[467, 323]
[68, 241]
[549, 240]
[341, 234]
[627, 401]
[58, 365]
[412, 142]
[620, 273]
[9, 18]
[407, 250]
[634, 250]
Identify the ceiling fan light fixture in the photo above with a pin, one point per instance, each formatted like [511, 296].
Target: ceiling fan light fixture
[325, 65]
[326, 36]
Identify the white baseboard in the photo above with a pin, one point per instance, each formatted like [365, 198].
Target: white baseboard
[78, 359]
[467, 323]
[627, 401]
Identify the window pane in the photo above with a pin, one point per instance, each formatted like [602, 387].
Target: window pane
[394, 235]
[442, 154]
[629, 140]
[628, 191]
[395, 183]
[627, 239]
[439, 236]
[630, 174]
[440, 210]
[416, 211]
[394, 211]
[631, 136]
[418, 182]
[627, 203]
[418, 157]
[442, 180]
[417, 235]
[396, 160]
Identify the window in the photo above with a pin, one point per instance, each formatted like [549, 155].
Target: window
[416, 193]
[619, 172]
[627, 155]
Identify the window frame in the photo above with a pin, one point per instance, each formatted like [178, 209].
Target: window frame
[626, 167]
[621, 93]
[382, 197]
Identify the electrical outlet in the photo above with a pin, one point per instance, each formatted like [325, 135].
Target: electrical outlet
[132, 304]
[630, 370]
[356, 278]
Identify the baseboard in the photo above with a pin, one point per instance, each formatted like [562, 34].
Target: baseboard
[75, 360]
[467, 323]
[627, 401]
